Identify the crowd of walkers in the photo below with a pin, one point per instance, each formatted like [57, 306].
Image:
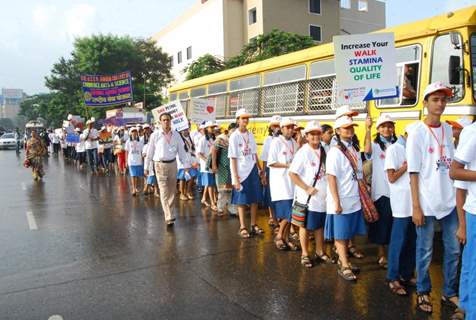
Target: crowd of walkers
[318, 187]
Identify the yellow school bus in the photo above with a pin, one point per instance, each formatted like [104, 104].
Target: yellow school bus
[302, 84]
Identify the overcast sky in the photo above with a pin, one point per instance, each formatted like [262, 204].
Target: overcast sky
[34, 34]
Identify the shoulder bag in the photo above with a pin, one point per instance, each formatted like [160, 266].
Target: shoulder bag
[368, 207]
[299, 210]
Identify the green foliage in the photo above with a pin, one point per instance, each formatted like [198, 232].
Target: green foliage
[206, 64]
[263, 47]
[103, 54]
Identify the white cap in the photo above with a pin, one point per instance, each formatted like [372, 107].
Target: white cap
[77, 130]
[460, 123]
[345, 110]
[242, 113]
[275, 120]
[133, 129]
[89, 122]
[437, 86]
[313, 126]
[70, 117]
[344, 122]
[103, 128]
[145, 126]
[286, 122]
[210, 124]
[384, 118]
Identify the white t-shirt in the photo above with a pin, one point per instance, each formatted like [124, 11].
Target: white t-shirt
[196, 136]
[400, 191]
[339, 166]
[306, 164]
[466, 154]
[204, 147]
[80, 147]
[134, 152]
[436, 191]
[281, 151]
[265, 148]
[91, 134]
[242, 146]
[379, 176]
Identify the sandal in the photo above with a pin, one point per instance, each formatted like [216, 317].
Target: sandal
[397, 289]
[214, 207]
[446, 301]
[459, 314]
[205, 203]
[293, 246]
[183, 198]
[220, 213]
[323, 258]
[255, 229]
[306, 262]
[346, 273]
[190, 196]
[294, 235]
[272, 223]
[408, 283]
[424, 304]
[382, 262]
[243, 233]
[353, 252]
[281, 245]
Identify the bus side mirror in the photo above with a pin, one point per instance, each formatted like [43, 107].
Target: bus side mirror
[454, 70]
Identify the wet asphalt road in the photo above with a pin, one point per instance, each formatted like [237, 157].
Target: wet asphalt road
[98, 253]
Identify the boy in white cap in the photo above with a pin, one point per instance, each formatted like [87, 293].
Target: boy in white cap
[430, 150]
[380, 230]
[280, 155]
[273, 132]
[245, 173]
[91, 137]
[463, 169]
[207, 177]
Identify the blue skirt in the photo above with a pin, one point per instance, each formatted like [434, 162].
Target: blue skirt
[151, 180]
[283, 209]
[251, 191]
[381, 230]
[267, 202]
[208, 179]
[136, 171]
[315, 220]
[344, 226]
[181, 173]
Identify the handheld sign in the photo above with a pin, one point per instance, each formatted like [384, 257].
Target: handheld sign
[365, 67]
[203, 110]
[179, 119]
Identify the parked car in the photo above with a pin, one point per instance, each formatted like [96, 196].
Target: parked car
[7, 140]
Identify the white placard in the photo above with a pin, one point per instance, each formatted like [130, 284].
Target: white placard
[203, 110]
[179, 119]
[365, 67]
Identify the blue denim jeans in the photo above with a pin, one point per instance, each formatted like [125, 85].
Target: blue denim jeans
[93, 159]
[401, 250]
[424, 252]
[467, 283]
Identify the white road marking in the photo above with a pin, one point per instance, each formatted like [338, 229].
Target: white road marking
[23, 186]
[31, 220]
[55, 317]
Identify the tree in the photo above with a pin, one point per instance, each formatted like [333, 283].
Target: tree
[106, 54]
[263, 47]
[206, 64]
[7, 124]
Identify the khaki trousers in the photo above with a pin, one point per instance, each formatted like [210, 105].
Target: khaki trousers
[166, 174]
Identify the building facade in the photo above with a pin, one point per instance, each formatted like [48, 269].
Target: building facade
[222, 27]
[10, 103]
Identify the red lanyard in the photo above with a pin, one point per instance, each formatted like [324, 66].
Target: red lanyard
[441, 146]
[246, 140]
[286, 145]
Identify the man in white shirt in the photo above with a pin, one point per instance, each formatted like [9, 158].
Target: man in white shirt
[463, 169]
[91, 137]
[164, 146]
[429, 152]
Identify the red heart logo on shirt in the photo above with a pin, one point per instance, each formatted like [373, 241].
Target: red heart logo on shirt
[210, 109]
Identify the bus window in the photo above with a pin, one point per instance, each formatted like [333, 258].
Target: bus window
[408, 75]
[322, 86]
[172, 97]
[443, 49]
